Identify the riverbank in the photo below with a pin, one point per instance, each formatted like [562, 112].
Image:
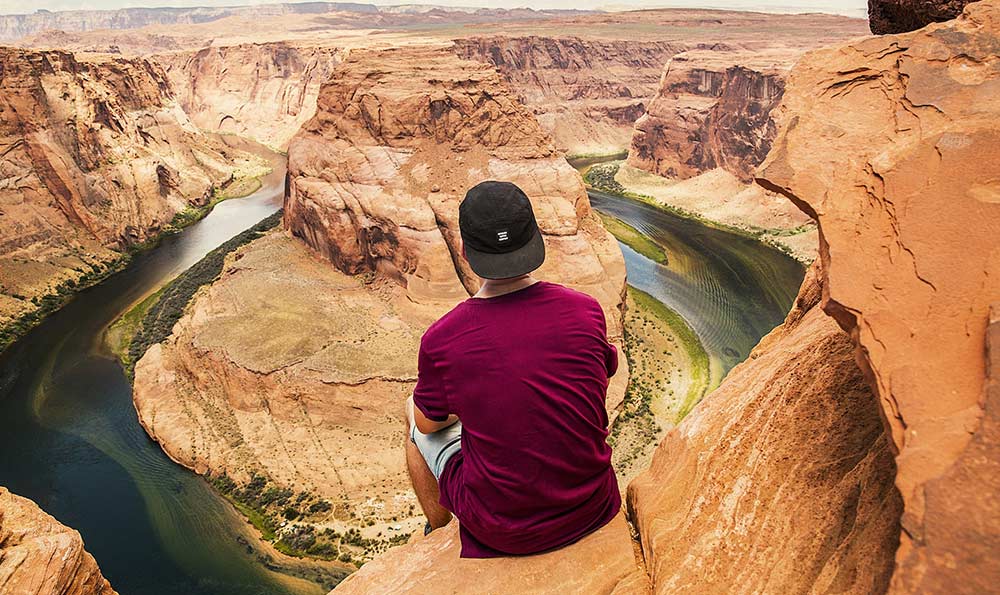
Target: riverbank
[704, 199]
[245, 184]
[669, 375]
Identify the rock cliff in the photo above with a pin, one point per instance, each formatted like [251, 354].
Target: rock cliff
[263, 91]
[95, 156]
[375, 179]
[586, 93]
[891, 144]
[900, 16]
[712, 110]
[40, 556]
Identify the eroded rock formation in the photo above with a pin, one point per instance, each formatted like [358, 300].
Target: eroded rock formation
[263, 91]
[891, 144]
[294, 365]
[586, 93]
[713, 110]
[95, 156]
[780, 481]
[40, 556]
[900, 16]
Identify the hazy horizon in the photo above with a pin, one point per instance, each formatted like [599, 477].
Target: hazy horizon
[854, 8]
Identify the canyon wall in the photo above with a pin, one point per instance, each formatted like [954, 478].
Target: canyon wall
[712, 110]
[891, 144]
[586, 93]
[95, 156]
[40, 556]
[262, 91]
[294, 365]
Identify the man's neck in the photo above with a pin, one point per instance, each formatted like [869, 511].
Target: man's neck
[497, 287]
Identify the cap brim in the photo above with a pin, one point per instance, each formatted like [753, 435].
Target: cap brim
[511, 264]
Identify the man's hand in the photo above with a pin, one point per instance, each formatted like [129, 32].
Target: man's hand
[428, 426]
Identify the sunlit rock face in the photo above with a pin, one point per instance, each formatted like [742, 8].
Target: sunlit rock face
[780, 480]
[40, 556]
[891, 144]
[263, 91]
[586, 93]
[97, 157]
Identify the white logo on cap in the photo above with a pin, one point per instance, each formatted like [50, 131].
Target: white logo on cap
[502, 236]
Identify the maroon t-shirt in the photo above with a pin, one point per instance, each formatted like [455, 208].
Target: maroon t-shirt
[527, 374]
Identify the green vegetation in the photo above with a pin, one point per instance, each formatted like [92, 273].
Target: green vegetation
[166, 308]
[98, 272]
[699, 370]
[601, 177]
[634, 238]
[272, 509]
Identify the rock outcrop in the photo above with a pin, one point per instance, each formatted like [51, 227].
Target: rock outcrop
[780, 481]
[40, 556]
[95, 156]
[891, 144]
[294, 365]
[901, 16]
[713, 110]
[586, 93]
[263, 91]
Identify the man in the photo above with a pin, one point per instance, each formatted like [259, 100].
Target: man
[507, 422]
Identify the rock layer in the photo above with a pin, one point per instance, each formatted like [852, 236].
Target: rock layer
[780, 481]
[40, 556]
[586, 93]
[713, 110]
[95, 156]
[891, 144]
[262, 91]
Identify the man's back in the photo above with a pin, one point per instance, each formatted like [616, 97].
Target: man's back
[527, 374]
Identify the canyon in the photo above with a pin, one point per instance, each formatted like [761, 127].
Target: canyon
[374, 182]
[856, 450]
[97, 157]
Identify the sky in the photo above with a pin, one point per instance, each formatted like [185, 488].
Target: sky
[855, 8]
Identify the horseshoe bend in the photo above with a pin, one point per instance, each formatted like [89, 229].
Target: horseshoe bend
[227, 231]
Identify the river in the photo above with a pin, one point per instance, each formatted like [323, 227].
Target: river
[71, 440]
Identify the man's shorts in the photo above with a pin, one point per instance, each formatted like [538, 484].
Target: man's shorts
[437, 447]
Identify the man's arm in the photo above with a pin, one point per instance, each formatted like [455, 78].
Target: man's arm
[429, 426]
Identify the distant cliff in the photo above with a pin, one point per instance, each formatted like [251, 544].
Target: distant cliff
[713, 110]
[96, 156]
[40, 556]
[262, 91]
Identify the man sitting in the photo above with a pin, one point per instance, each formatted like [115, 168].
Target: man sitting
[507, 423]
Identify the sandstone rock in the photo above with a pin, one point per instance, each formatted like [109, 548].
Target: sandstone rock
[900, 16]
[713, 109]
[586, 93]
[780, 481]
[96, 157]
[602, 562]
[263, 91]
[892, 145]
[295, 369]
[40, 556]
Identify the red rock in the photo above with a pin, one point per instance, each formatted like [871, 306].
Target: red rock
[891, 144]
[40, 556]
[900, 16]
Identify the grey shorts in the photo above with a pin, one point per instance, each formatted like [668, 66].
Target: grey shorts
[439, 446]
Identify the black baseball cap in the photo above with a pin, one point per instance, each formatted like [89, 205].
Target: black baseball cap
[498, 227]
